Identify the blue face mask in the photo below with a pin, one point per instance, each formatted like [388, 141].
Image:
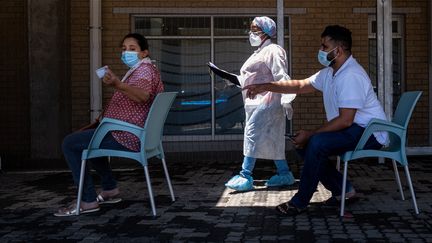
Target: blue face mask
[323, 57]
[130, 58]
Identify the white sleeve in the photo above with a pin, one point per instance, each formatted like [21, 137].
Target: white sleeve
[317, 80]
[276, 61]
[351, 92]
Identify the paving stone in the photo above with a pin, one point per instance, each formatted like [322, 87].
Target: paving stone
[208, 212]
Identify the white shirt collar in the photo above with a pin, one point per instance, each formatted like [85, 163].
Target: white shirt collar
[130, 71]
[346, 63]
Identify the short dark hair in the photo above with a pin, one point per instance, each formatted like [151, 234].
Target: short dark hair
[339, 34]
[142, 41]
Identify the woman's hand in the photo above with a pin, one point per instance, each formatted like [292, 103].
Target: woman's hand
[111, 79]
[134, 93]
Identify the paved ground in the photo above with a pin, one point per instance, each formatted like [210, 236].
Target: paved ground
[205, 211]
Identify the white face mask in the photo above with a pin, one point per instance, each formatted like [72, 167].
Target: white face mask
[254, 39]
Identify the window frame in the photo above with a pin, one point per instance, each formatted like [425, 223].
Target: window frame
[399, 34]
[212, 37]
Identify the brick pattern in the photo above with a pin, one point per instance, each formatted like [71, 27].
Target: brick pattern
[416, 54]
[306, 30]
[80, 76]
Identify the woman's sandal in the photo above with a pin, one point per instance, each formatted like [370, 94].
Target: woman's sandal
[107, 200]
[288, 209]
[71, 211]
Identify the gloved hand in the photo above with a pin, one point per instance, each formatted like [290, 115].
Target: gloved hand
[286, 100]
[288, 110]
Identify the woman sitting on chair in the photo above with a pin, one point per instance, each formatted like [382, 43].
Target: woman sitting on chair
[131, 103]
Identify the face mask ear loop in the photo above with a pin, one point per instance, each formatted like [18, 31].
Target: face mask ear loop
[262, 41]
[337, 50]
[332, 60]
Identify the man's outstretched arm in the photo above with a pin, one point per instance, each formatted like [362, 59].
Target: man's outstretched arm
[285, 86]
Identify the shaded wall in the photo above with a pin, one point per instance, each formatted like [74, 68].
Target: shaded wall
[35, 86]
[14, 85]
[48, 76]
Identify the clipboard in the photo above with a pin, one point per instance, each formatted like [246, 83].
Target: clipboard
[224, 74]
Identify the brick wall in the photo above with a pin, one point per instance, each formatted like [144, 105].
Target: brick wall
[306, 30]
[416, 45]
[80, 76]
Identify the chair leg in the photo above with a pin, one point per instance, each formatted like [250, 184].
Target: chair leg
[80, 186]
[398, 179]
[168, 179]
[342, 210]
[152, 203]
[411, 188]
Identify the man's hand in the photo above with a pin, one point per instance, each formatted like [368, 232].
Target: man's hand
[254, 89]
[110, 78]
[301, 138]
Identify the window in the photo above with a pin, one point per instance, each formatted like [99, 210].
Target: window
[398, 50]
[182, 46]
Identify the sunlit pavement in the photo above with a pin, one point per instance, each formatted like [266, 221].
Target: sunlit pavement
[205, 211]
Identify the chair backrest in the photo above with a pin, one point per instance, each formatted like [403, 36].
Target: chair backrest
[156, 118]
[405, 107]
[402, 116]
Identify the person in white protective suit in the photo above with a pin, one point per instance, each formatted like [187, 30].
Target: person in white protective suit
[264, 132]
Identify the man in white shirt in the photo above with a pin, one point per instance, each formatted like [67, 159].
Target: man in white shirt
[350, 103]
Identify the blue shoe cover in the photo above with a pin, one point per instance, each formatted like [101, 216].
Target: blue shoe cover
[281, 180]
[240, 183]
